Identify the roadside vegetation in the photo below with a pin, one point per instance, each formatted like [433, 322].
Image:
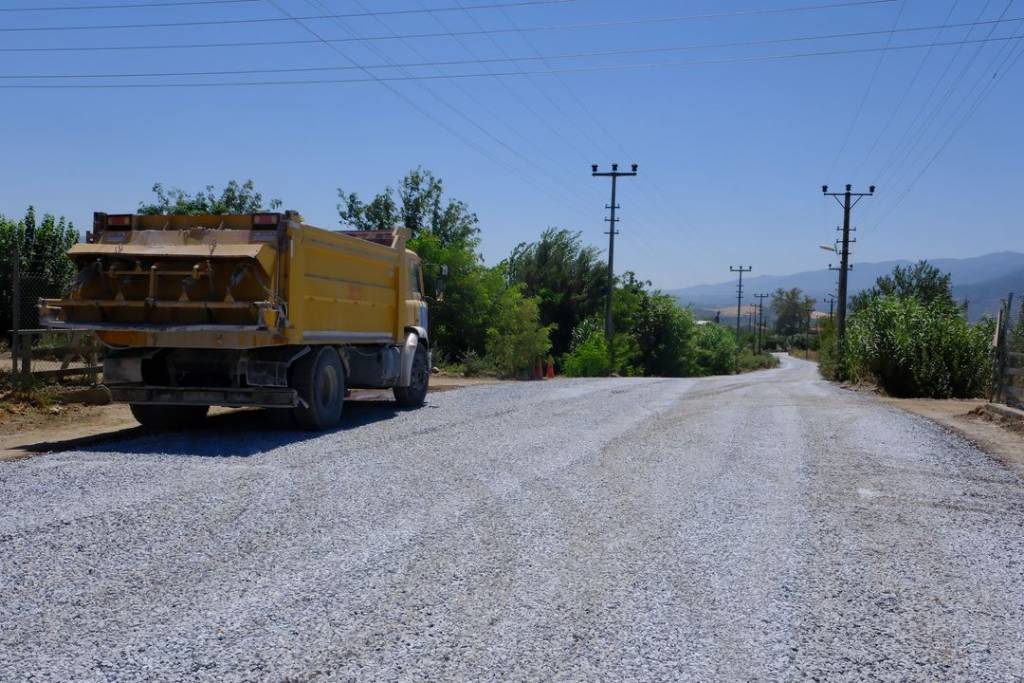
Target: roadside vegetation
[546, 298]
[908, 335]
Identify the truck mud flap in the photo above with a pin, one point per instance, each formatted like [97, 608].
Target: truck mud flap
[232, 398]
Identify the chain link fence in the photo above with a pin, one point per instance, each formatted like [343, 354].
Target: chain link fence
[30, 351]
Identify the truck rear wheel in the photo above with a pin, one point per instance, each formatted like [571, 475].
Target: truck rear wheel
[168, 417]
[319, 379]
[415, 394]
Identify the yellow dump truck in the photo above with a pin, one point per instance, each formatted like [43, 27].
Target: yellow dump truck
[247, 310]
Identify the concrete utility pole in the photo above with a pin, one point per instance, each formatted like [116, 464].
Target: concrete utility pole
[760, 321]
[849, 200]
[831, 299]
[614, 174]
[739, 296]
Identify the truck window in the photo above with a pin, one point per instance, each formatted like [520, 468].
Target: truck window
[414, 277]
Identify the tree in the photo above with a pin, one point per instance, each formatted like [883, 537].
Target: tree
[714, 350]
[45, 268]
[589, 355]
[421, 208]
[791, 309]
[380, 214]
[235, 198]
[653, 332]
[516, 339]
[445, 233]
[922, 281]
[568, 279]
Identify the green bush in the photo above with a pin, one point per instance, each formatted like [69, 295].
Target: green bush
[589, 357]
[748, 360]
[799, 341]
[517, 339]
[915, 349]
[474, 365]
[828, 355]
[714, 350]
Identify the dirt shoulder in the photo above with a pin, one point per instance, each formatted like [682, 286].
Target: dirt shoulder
[27, 430]
[1003, 439]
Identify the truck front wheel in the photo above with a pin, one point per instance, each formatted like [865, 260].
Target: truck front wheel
[319, 379]
[415, 394]
[168, 417]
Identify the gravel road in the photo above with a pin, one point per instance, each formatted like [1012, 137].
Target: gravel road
[767, 526]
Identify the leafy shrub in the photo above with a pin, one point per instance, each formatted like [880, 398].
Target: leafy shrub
[474, 365]
[915, 349]
[517, 339]
[828, 354]
[589, 357]
[714, 349]
[800, 342]
[748, 360]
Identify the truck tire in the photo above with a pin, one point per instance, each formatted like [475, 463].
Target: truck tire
[415, 394]
[319, 379]
[168, 417]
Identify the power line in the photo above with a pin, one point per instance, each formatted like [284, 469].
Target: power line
[568, 199]
[524, 102]
[918, 145]
[896, 171]
[915, 133]
[265, 20]
[867, 91]
[500, 60]
[581, 69]
[907, 90]
[138, 5]
[524, 29]
[456, 133]
[1009, 61]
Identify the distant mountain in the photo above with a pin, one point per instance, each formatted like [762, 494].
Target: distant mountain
[983, 297]
[982, 280]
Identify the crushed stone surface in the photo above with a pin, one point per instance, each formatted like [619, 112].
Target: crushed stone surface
[767, 526]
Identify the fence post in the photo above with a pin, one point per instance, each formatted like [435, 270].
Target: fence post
[1001, 351]
[15, 304]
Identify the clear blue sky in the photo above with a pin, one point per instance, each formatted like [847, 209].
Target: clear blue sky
[732, 154]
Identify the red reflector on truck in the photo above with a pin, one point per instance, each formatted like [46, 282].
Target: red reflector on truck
[119, 221]
[266, 219]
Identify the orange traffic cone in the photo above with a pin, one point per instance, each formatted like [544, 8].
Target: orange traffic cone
[551, 368]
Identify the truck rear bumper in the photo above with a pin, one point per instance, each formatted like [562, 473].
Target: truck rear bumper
[263, 397]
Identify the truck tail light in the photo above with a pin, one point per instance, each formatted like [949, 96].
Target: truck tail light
[266, 218]
[122, 221]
